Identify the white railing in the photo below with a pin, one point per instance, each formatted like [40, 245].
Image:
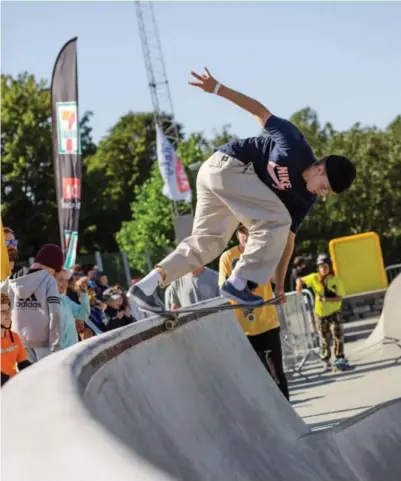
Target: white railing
[298, 330]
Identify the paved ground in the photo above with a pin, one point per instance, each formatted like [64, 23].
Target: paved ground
[324, 399]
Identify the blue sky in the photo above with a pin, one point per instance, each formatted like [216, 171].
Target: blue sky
[341, 58]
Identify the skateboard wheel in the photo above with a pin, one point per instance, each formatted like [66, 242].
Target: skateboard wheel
[170, 324]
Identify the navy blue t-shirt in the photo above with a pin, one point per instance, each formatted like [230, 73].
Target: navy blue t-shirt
[279, 160]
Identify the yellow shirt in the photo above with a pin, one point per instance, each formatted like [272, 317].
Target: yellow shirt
[265, 318]
[335, 285]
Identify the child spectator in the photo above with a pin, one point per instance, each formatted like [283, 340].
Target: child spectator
[329, 291]
[70, 310]
[71, 287]
[13, 353]
[114, 315]
[125, 305]
[102, 283]
[35, 303]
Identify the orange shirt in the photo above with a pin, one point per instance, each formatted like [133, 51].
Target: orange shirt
[12, 353]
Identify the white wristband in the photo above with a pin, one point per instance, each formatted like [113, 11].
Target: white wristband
[217, 88]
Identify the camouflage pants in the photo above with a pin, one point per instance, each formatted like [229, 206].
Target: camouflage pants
[331, 327]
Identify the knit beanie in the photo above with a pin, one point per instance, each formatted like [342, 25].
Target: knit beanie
[51, 256]
[341, 172]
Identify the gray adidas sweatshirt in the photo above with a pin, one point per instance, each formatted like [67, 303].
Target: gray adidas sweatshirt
[35, 305]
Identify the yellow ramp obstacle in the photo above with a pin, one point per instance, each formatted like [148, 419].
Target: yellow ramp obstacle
[358, 260]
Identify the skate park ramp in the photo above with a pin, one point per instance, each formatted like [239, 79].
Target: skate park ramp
[191, 404]
[388, 329]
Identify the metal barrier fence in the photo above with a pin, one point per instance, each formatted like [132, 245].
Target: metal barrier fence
[392, 272]
[299, 333]
[298, 330]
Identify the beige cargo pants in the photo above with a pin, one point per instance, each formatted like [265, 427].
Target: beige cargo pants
[229, 193]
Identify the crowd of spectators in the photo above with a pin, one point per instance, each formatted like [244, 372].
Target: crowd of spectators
[45, 308]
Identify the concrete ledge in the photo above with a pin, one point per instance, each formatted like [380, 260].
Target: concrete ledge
[363, 306]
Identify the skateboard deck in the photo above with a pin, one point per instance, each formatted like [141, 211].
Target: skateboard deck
[172, 316]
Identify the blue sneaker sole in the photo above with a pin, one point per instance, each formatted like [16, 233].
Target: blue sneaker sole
[229, 295]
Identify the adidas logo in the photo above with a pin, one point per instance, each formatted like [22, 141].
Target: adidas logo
[29, 303]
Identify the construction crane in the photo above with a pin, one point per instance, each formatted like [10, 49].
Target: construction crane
[161, 100]
[156, 71]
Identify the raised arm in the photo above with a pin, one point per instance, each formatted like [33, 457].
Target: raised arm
[81, 311]
[209, 84]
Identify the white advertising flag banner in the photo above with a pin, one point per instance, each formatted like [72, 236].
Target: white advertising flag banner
[176, 185]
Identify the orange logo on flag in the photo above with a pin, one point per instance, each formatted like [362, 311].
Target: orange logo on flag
[71, 188]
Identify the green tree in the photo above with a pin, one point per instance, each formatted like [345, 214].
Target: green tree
[122, 161]
[307, 121]
[29, 203]
[88, 146]
[374, 202]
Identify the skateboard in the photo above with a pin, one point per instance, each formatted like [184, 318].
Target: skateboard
[172, 316]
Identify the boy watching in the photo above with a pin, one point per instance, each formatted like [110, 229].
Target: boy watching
[35, 303]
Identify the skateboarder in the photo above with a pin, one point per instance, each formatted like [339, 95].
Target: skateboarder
[268, 184]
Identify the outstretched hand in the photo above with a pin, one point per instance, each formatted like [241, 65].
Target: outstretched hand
[280, 292]
[82, 284]
[205, 82]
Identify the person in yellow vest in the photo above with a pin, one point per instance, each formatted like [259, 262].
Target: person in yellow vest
[261, 326]
[329, 292]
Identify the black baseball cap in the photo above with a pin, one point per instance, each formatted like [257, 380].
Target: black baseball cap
[111, 294]
[340, 171]
[323, 259]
